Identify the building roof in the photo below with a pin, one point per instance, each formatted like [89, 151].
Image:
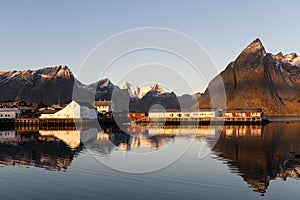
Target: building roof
[27, 107]
[183, 110]
[12, 101]
[244, 110]
[49, 111]
[102, 103]
[86, 104]
[8, 109]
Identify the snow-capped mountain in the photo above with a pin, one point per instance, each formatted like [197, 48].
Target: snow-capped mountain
[140, 92]
[291, 58]
[104, 89]
[134, 91]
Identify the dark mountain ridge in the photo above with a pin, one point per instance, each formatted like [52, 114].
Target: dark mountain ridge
[48, 85]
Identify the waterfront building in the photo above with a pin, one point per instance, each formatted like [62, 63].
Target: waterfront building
[12, 104]
[175, 114]
[74, 110]
[9, 113]
[243, 113]
[102, 106]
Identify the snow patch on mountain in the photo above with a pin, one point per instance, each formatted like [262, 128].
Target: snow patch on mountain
[291, 58]
[133, 90]
[296, 61]
[140, 92]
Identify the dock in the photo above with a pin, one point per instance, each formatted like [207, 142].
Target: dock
[203, 121]
[55, 124]
[36, 123]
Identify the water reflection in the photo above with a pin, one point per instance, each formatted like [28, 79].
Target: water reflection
[260, 154]
[24, 148]
[55, 149]
[144, 139]
[257, 154]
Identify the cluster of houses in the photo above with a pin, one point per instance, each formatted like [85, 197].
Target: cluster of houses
[82, 110]
[16, 109]
[196, 114]
[74, 110]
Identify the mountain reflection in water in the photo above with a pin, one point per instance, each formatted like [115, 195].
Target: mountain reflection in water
[257, 154]
[260, 154]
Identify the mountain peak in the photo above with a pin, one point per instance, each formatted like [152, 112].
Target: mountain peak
[251, 56]
[132, 90]
[254, 47]
[124, 85]
[105, 82]
[157, 88]
[257, 79]
[64, 71]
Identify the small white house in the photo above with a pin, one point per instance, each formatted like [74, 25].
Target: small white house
[74, 110]
[102, 106]
[9, 113]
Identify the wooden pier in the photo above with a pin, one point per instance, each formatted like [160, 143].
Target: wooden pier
[202, 121]
[26, 123]
[36, 123]
[56, 124]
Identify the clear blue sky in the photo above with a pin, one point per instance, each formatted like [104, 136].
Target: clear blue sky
[35, 34]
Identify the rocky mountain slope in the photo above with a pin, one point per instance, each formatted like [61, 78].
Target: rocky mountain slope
[48, 85]
[257, 79]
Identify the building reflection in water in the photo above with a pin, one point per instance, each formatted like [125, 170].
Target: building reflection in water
[143, 139]
[55, 149]
[47, 150]
[260, 154]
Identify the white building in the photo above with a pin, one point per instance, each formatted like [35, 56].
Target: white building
[202, 113]
[74, 110]
[243, 113]
[102, 106]
[9, 113]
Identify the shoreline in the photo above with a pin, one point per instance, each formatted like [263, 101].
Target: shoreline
[36, 123]
[283, 118]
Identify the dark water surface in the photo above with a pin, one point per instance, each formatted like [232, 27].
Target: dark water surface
[234, 162]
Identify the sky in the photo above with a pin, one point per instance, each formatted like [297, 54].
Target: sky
[36, 34]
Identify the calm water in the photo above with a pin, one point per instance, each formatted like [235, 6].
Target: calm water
[236, 162]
